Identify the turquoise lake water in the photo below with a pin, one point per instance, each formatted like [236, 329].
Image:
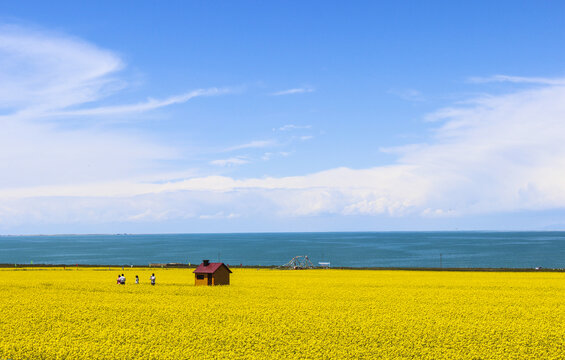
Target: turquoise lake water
[355, 249]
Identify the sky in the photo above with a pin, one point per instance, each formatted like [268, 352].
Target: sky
[254, 116]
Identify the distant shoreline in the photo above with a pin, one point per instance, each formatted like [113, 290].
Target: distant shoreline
[274, 267]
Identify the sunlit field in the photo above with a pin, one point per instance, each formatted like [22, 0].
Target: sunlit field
[265, 314]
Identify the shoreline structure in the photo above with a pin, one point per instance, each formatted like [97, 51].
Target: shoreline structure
[112, 267]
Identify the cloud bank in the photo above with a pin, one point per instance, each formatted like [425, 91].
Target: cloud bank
[502, 153]
[498, 153]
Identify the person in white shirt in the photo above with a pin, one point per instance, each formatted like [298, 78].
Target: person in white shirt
[152, 278]
[123, 279]
[136, 279]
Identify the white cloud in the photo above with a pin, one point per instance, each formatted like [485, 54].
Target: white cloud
[234, 161]
[45, 79]
[150, 104]
[269, 155]
[33, 154]
[290, 127]
[293, 91]
[253, 145]
[42, 71]
[500, 153]
[504, 153]
[45, 74]
[518, 80]
[219, 215]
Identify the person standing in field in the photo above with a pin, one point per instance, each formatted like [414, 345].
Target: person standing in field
[152, 278]
[119, 281]
[136, 279]
[123, 279]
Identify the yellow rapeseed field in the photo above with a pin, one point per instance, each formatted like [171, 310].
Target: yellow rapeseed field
[276, 314]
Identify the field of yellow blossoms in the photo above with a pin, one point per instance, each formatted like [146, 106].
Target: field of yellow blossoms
[276, 314]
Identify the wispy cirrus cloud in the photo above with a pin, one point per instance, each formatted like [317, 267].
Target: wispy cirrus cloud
[306, 137]
[46, 74]
[45, 71]
[150, 104]
[293, 91]
[48, 78]
[290, 127]
[255, 144]
[518, 80]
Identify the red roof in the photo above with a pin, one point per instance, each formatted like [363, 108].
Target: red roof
[210, 269]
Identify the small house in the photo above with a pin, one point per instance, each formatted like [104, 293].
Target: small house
[209, 274]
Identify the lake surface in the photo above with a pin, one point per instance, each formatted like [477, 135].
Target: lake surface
[355, 249]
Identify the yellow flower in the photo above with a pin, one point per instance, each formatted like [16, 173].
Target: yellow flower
[276, 314]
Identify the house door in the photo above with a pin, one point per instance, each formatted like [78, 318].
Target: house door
[209, 279]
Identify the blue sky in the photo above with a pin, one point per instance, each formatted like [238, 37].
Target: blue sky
[281, 116]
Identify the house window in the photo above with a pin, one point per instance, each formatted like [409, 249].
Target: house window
[200, 276]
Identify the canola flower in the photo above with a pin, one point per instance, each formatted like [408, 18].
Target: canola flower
[277, 314]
